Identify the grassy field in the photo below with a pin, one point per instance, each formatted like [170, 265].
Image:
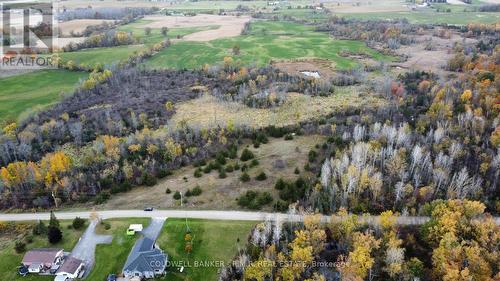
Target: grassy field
[222, 193]
[110, 55]
[458, 18]
[104, 56]
[137, 29]
[35, 90]
[10, 260]
[111, 258]
[216, 241]
[266, 41]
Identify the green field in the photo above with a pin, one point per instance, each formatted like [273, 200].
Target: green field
[35, 90]
[267, 40]
[104, 56]
[10, 260]
[137, 29]
[212, 241]
[431, 17]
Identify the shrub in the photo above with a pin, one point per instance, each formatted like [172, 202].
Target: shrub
[148, 179]
[288, 137]
[196, 191]
[177, 195]
[262, 176]
[312, 155]
[254, 163]
[28, 239]
[221, 159]
[229, 168]
[232, 151]
[40, 228]
[236, 166]
[188, 193]
[78, 223]
[102, 197]
[244, 177]
[281, 206]
[54, 235]
[254, 200]
[244, 167]
[198, 173]
[163, 173]
[256, 144]
[20, 247]
[168, 191]
[280, 184]
[297, 171]
[222, 173]
[246, 155]
[207, 169]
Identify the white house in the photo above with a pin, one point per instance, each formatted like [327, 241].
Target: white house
[71, 268]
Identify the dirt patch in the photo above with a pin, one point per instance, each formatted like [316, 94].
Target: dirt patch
[222, 193]
[229, 26]
[323, 67]
[435, 58]
[79, 26]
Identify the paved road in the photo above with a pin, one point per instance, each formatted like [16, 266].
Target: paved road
[154, 228]
[85, 248]
[215, 215]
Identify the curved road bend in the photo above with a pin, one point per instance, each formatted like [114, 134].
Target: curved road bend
[214, 215]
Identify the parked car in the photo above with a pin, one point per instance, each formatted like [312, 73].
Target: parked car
[111, 277]
[22, 270]
[148, 209]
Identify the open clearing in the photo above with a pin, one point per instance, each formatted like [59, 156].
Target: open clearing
[34, 91]
[207, 111]
[222, 193]
[366, 6]
[323, 67]
[267, 41]
[229, 26]
[213, 241]
[79, 25]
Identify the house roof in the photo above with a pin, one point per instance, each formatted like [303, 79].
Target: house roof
[70, 265]
[145, 257]
[41, 255]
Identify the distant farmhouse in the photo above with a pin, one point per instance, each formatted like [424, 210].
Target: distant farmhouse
[146, 260]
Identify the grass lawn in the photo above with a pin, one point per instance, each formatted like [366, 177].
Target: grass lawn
[267, 40]
[137, 29]
[212, 241]
[10, 260]
[111, 258]
[37, 89]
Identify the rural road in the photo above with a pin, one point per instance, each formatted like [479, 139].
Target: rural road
[214, 215]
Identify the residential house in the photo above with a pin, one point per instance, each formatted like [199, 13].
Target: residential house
[71, 268]
[146, 260]
[42, 259]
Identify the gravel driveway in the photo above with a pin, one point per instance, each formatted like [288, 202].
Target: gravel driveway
[85, 248]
